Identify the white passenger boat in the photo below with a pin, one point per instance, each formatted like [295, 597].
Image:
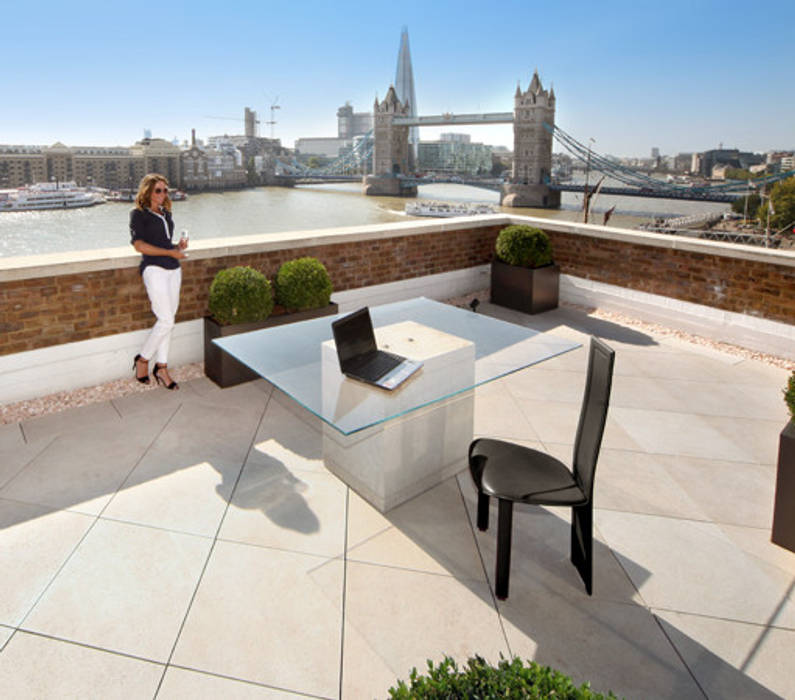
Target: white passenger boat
[447, 209]
[48, 195]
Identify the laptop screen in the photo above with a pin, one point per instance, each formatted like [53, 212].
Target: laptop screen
[353, 335]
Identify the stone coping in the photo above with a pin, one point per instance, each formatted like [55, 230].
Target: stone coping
[33, 266]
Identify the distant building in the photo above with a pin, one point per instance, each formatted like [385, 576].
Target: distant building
[404, 87]
[455, 138]
[350, 126]
[455, 157]
[350, 123]
[725, 156]
[682, 162]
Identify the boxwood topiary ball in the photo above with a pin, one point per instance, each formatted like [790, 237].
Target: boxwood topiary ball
[524, 246]
[240, 295]
[303, 284]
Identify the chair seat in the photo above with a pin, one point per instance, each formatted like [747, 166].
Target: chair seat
[504, 470]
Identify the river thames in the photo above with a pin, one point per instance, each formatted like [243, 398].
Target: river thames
[277, 209]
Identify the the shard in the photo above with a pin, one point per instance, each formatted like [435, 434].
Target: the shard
[404, 86]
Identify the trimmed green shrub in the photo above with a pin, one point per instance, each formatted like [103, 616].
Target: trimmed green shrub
[789, 395]
[524, 246]
[240, 295]
[479, 679]
[303, 284]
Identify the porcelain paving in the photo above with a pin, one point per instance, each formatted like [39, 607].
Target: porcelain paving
[287, 508]
[497, 414]
[665, 432]
[17, 454]
[180, 683]
[155, 400]
[755, 542]
[405, 617]
[5, 635]
[126, 588]
[541, 383]
[732, 659]
[260, 615]
[694, 567]
[283, 439]
[430, 533]
[758, 439]
[186, 478]
[714, 485]
[34, 543]
[639, 483]
[613, 646]
[37, 667]
[98, 416]
[82, 470]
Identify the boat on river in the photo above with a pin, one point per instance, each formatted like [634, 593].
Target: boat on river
[447, 209]
[49, 195]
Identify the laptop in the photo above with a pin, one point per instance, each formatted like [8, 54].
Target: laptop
[361, 359]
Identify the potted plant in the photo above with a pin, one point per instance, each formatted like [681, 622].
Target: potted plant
[242, 300]
[784, 509]
[523, 275]
[303, 284]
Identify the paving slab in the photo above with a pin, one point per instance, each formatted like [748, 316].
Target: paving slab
[126, 588]
[734, 659]
[262, 615]
[32, 666]
[34, 543]
[100, 416]
[180, 683]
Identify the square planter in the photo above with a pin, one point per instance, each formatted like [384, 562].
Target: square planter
[784, 509]
[523, 288]
[224, 369]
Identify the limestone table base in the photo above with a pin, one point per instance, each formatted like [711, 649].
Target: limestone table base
[394, 460]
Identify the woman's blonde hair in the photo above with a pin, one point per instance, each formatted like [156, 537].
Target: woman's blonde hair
[143, 200]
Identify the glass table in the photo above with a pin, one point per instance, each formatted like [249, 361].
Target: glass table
[392, 445]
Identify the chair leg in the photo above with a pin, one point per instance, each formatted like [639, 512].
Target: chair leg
[483, 511]
[504, 528]
[582, 543]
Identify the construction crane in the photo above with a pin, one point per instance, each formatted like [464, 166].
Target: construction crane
[272, 121]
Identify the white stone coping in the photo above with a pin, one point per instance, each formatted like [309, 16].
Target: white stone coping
[50, 264]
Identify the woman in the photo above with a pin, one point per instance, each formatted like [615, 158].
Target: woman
[151, 229]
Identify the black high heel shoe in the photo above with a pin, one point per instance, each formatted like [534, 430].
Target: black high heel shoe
[160, 380]
[143, 380]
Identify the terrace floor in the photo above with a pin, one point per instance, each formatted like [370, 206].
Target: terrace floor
[193, 544]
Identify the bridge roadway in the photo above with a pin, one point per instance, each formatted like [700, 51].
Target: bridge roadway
[693, 194]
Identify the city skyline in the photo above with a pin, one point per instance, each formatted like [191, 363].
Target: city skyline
[680, 77]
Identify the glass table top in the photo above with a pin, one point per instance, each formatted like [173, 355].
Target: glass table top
[300, 359]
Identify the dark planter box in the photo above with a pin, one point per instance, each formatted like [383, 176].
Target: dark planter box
[784, 509]
[224, 369]
[523, 288]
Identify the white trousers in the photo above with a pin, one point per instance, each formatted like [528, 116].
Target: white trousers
[162, 286]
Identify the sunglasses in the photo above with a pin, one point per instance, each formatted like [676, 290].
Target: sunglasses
[160, 190]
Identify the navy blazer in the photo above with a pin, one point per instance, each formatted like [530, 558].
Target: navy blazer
[148, 227]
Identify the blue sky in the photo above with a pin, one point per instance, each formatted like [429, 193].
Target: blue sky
[681, 76]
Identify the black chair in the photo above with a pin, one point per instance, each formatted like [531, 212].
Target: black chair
[514, 473]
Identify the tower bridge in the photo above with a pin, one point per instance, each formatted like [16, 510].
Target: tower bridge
[393, 162]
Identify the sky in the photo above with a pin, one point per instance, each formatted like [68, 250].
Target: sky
[678, 76]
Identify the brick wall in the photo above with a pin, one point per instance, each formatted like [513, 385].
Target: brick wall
[51, 304]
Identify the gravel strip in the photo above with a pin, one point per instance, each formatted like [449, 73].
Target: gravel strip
[33, 408]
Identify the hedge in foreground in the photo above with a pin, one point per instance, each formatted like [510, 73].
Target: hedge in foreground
[479, 679]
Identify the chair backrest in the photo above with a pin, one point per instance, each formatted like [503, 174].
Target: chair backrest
[593, 414]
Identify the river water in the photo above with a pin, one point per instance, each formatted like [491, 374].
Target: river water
[277, 209]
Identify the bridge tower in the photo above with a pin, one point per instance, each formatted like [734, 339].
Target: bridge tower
[390, 149]
[532, 149]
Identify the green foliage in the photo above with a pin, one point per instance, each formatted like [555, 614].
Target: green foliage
[524, 246]
[303, 284]
[789, 395]
[783, 197]
[741, 174]
[240, 295]
[754, 200]
[479, 679]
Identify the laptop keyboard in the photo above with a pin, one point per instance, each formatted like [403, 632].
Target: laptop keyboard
[377, 365]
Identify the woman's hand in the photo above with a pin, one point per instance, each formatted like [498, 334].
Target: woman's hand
[177, 253]
[183, 243]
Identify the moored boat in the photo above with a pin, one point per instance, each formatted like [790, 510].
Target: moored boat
[48, 195]
[448, 209]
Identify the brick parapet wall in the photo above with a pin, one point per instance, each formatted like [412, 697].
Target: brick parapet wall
[62, 298]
